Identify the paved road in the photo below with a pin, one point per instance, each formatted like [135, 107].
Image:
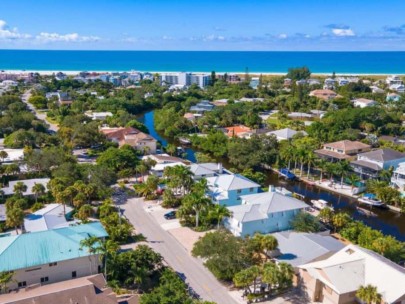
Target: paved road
[197, 276]
[40, 116]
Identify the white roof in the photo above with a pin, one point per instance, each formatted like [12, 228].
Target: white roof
[49, 217]
[286, 133]
[231, 182]
[13, 154]
[204, 168]
[258, 206]
[352, 266]
[298, 248]
[29, 183]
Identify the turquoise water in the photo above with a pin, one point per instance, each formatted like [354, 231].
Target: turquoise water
[277, 62]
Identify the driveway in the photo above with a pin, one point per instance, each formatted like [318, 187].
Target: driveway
[175, 255]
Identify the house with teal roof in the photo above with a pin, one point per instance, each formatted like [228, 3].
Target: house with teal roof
[50, 256]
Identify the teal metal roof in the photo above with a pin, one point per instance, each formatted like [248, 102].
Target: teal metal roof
[43, 247]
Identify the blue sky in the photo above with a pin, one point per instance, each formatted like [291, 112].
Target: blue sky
[203, 25]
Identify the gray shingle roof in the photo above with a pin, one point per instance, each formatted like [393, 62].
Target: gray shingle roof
[383, 155]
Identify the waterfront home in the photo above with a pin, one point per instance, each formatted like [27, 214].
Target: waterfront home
[336, 279]
[298, 248]
[204, 170]
[364, 102]
[163, 161]
[393, 97]
[236, 131]
[64, 99]
[89, 289]
[285, 134]
[370, 164]
[398, 177]
[227, 189]
[130, 136]
[393, 80]
[264, 212]
[342, 150]
[50, 256]
[399, 88]
[29, 183]
[324, 94]
[202, 107]
[52, 216]
[98, 115]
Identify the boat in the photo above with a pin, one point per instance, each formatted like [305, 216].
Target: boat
[371, 200]
[283, 191]
[287, 174]
[184, 141]
[365, 212]
[321, 204]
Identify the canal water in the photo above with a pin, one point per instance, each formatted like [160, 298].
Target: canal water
[387, 221]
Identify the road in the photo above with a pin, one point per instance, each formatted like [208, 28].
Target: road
[197, 276]
[40, 116]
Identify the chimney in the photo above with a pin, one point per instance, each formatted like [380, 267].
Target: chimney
[272, 188]
[220, 169]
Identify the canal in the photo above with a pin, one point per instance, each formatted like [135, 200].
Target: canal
[387, 221]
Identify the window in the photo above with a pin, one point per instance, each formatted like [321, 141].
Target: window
[238, 198]
[44, 279]
[74, 274]
[22, 284]
[53, 264]
[251, 189]
[239, 191]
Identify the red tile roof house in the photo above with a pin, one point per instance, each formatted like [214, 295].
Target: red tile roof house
[324, 94]
[236, 131]
[342, 150]
[133, 137]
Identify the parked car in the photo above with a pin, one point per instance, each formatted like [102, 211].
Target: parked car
[170, 215]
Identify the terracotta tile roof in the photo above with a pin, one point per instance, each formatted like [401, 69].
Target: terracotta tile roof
[127, 135]
[236, 130]
[324, 94]
[347, 145]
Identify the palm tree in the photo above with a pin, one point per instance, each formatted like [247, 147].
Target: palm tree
[369, 294]
[38, 190]
[198, 203]
[310, 162]
[270, 275]
[85, 212]
[14, 217]
[219, 212]
[286, 273]
[262, 244]
[353, 179]
[322, 164]
[339, 220]
[331, 169]
[148, 189]
[5, 278]
[385, 174]
[20, 188]
[287, 154]
[302, 155]
[342, 168]
[142, 169]
[326, 215]
[3, 155]
[171, 149]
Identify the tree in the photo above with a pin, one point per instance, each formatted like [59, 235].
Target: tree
[6, 277]
[15, 217]
[305, 222]
[353, 180]
[219, 212]
[148, 189]
[197, 202]
[261, 244]
[20, 188]
[38, 190]
[326, 215]
[340, 220]
[298, 73]
[85, 212]
[341, 169]
[322, 165]
[246, 277]
[171, 149]
[3, 155]
[369, 294]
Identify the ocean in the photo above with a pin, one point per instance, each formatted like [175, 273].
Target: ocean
[204, 61]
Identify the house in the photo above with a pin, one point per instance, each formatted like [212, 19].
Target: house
[376, 90]
[298, 248]
[50, 217]
[13, 155]
[393, 97]
[133, 137]
[285, 134]
[364, 102]
[227, 189]
[98, 115]
[50, 256]
[399, 88]
[64, 98]
[329, 84]
[398, 177]
[163, 161]
[204, 170]
[324, 94]
[89, 289]
[264, 212]
[393, 80]
[370, 164]
[189, 117]
[236, 131]
[27, 182]
[336, 279]
[342, 150]
[202, 107]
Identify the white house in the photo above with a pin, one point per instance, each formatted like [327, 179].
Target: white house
[398, 177]
[337, 279]
[285, 134]
[227, 189]
[29, 183]
[51, 216]
[204, 170]
[364, 102]
[400, 88]
[50, 256]
[264, 212]
[98, 115]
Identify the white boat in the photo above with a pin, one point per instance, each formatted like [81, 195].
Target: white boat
[373, 202]
[321, 204]
[366, 212]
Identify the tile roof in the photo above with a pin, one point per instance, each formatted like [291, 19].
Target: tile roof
[128, 134]
[236, 130]
[44, 247]
[347, 145]
[258, 206]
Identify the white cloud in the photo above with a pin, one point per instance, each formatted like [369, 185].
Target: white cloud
[283, 36]
[73, 37]
[213, 38]
[7, 33]
[343, 32]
